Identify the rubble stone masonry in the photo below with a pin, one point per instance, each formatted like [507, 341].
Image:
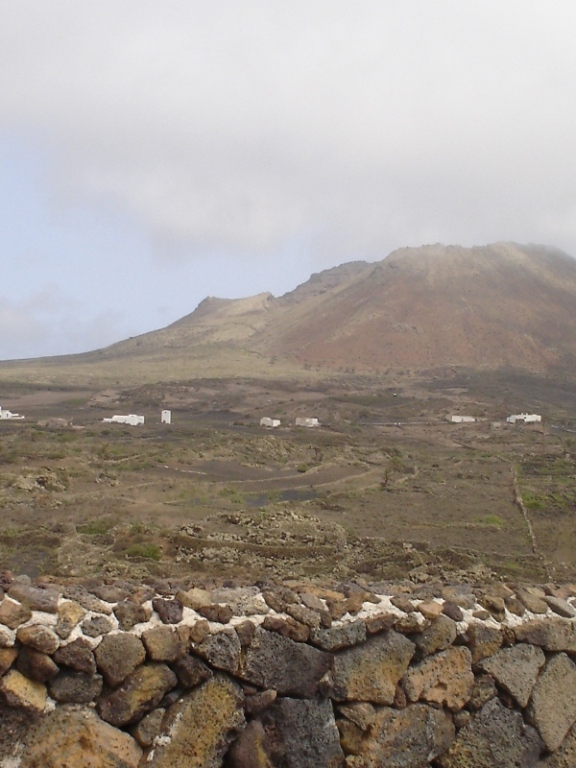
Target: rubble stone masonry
[291, 675]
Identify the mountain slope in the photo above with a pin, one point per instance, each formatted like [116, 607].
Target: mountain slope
[500, 305]
[496, 306]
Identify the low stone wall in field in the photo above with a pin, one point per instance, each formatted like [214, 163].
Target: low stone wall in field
[290, 676]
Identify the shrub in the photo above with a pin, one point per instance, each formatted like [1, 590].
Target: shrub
[492, 520]
[96, 527]
[148, 551]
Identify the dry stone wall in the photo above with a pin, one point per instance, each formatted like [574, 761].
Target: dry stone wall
[291, 675]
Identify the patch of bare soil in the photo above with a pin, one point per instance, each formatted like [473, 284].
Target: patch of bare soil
[21, 401]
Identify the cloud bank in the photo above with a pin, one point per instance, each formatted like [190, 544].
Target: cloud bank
[350, 128]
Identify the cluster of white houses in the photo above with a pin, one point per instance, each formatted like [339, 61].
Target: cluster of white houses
[301, 421]
[135, 420]
[524, 418]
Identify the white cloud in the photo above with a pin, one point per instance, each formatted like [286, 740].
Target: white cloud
[49, 322]
[355, 126]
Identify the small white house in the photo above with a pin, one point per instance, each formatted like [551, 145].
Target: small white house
[457, 419]
[132, 419]
[526, 418]
[166, 417]
[266, 421]
[306, 422]
[4, 414]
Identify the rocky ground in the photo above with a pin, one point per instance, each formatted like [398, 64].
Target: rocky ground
[385, 488]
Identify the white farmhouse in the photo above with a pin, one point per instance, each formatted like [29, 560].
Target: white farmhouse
[166, 417]
[132, 419]
[4, 414]
[457, 419]
[266, 421]
[307, 422]
[526, 418]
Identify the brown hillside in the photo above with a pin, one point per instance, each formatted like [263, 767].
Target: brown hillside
[494, 306]
[502, 305]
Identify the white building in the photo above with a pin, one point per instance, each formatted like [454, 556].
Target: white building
[306, 422]
[166, 417]
[457, 419]
[526, 418]
[4, 414]
[132, 419]
[266, 421]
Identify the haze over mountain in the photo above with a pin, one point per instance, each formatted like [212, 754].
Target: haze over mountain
[496, 306]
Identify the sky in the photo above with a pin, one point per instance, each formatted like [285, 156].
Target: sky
[155, 153]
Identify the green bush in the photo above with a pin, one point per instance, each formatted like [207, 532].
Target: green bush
[148, 551]
[492, 520]
[96, 527]
[534, 501]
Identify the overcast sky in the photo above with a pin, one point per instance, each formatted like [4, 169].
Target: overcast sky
[154, 153]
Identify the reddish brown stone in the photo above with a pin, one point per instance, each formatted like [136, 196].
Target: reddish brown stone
[7, 658]
[371, 671]
[96, 626]
[118, 655]
[129, 614]
[483, 641]
[70, 687]
[13, 614]
[381, 622]
[199, 631]
[304, 615]
[170, 611]
[35, 665]
[245, 632]
[139, 693]
[163, 644]
[288, 627]
[444, 679]
[77, 655]
[218, 613]
[452, 610]
[191, 671]
[402, 603]
[39, 637]
[260, 701]
[36, 599]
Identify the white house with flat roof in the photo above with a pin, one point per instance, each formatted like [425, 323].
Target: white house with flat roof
[307, 421]
[132, 419]
[166, 417]
[266, 421]
[8, 415]
[457, 419]
[526, 418]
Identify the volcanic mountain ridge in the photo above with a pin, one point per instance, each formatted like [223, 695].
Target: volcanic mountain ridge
[494, 307]
[502, 305]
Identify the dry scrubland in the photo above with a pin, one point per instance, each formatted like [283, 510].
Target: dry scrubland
[385, 489]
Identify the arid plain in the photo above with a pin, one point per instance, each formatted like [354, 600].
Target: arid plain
[386, 487]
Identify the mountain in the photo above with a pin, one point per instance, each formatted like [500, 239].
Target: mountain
[497, 306]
